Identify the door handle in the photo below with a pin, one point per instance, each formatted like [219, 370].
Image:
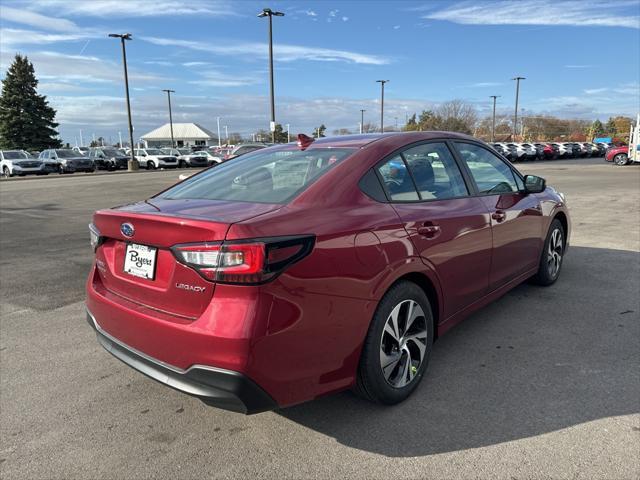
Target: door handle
[429, 230]
[499, 216]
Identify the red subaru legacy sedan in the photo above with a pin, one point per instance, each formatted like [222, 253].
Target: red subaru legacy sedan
[301, 270]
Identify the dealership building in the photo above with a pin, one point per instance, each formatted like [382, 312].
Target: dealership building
[184, 135]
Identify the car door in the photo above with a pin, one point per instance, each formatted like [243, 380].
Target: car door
[516, 217]
[448, 227]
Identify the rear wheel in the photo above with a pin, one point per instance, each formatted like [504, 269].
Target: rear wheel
[397, 347]
[151, 165]
[552, 255]
[621, 159]
[5, 172]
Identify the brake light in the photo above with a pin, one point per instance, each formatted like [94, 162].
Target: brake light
[244, 262]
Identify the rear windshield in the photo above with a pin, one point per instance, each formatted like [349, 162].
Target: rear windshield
[260, 177]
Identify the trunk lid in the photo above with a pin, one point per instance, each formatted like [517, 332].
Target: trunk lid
[174, 288]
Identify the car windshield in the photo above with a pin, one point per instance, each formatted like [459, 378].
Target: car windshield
[14, 155]
[111, 152]
[67, 154]
[260, 177]
[184, 151]
[153, 151]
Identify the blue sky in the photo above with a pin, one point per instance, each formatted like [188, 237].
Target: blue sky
[581, 59]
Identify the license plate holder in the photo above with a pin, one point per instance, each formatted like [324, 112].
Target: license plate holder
[140, 261]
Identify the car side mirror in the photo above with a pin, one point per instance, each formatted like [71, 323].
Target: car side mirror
[534, 184]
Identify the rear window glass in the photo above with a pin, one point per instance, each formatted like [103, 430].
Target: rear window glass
[260, 177]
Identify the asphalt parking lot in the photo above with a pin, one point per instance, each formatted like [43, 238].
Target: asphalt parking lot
[544, 383]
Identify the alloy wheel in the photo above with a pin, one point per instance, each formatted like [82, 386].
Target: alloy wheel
[403, 344]
[554, 253]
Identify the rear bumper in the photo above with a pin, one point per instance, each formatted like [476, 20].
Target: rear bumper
[217, 387]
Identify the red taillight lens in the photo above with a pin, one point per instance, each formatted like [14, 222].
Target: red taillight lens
[245, 262]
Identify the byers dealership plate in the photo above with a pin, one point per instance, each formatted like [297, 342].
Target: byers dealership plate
[140, 261]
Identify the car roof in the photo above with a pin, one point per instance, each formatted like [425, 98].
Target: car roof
[360, 140]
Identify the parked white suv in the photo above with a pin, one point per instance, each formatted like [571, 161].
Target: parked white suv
[152, 158]
[19, 162]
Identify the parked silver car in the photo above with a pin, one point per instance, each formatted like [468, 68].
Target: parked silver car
[21, 163]
[65, 160]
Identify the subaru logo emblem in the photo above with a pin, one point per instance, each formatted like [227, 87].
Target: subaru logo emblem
[127, 230]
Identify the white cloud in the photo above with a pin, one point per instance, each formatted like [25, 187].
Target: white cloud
[396, 27]
[213, 78]
[282, 52]
[33, 19]
[578, 66]
[311, 13]
[161, 63]
[579, 13]
[345, 19]
[14, 36]
[333, 13]
[591, 91]
[134, 8]
[195, 64]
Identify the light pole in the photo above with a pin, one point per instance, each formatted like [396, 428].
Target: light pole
[493, 122]
[382, 82]
[133, 163]
[81, 141]
[218, 121]
[515, 116]
[288, 134]
[120, 138]
[169, 92]
[362, 120]
[267, 12]
[396, 119]
[226, 134]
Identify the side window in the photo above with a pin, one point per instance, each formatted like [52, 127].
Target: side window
[397, 181]
[490, 173]
[435, 171]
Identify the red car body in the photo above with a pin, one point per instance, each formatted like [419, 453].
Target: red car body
[612, 152]
[258, 346]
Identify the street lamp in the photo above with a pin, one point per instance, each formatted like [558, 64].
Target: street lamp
[382, 82]
[226, 134]
[493, 123]
[169, 92]
[515, 116]
[288, 134]
[133, 163]
[267, 12]
[362, 120]
[219, 141]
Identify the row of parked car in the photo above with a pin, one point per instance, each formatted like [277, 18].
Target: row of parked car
[517, 152]
[85, 159]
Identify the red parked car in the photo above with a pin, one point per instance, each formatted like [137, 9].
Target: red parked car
[298, 271]
[618, 155]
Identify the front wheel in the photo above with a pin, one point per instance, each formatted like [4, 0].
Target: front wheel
[6, 173]
[552, 255]
[397, 347]
[621, 159]
[60, 169]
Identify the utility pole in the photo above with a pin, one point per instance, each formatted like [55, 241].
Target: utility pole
[226, 134]
[267, 12]
[493, 122]
[396, 119]
[515, 116]
[382, 82]
[219, 142]
[288, 134]
[81, 142]
[169, 92]
[120, 138]
[362, 120]
[133, 163]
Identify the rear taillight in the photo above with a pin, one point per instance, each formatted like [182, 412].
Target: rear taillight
[244, 262]
[94, 237]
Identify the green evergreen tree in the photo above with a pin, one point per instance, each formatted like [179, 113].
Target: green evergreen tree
[26, 120]
[610, 127]
[319, 132]
[280, 134]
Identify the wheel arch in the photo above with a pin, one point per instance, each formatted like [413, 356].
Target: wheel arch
[562, 218]
[429, 288]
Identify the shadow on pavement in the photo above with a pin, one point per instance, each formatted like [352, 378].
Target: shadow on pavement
[536, 361]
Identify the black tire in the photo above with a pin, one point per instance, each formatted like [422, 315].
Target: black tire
[182, 164]
[620, 159]
[150, 165]
[61, 170]
[371, 382]
[549, 268]
[5, 172]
